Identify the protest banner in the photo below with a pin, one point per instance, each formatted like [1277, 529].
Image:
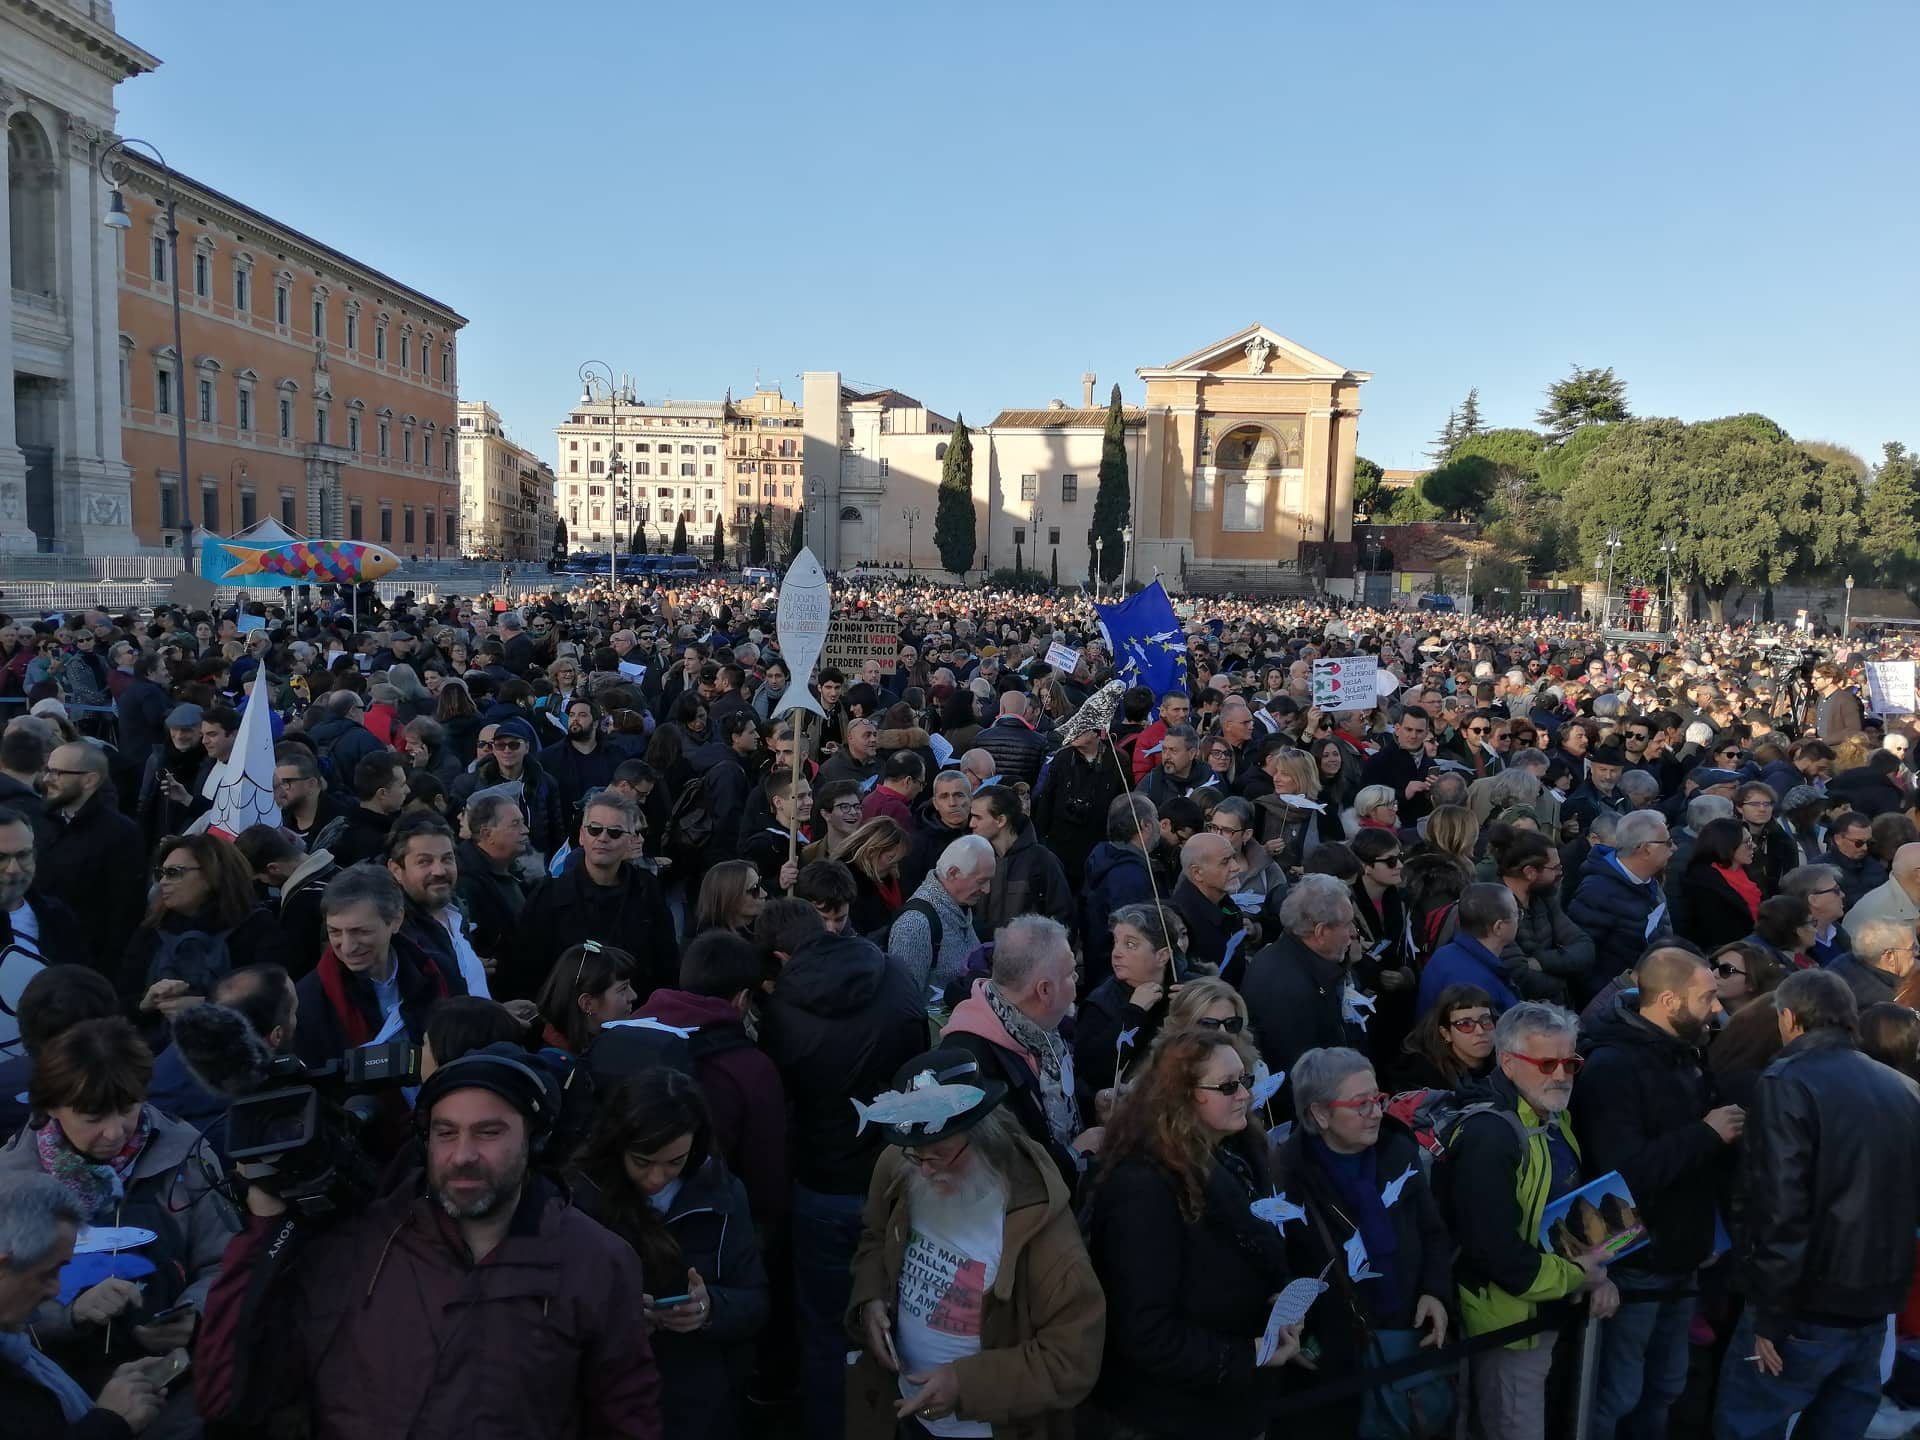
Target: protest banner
[852, 640]
[1890, 687]
[1346, 683]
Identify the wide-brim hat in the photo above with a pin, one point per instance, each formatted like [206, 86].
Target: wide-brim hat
[948, 1066]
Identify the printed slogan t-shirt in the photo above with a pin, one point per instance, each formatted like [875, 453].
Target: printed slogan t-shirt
[944, 1277]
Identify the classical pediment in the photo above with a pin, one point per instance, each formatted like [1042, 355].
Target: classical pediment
[1257, 351]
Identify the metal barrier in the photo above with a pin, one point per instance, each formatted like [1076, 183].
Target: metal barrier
[36, 597]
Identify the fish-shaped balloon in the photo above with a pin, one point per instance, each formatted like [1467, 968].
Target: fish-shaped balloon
[1266, 1085]
[1096, 714]
[1357, 1268]
[927, 1106]
[1278, 1211]
[1394, 1186]
[302, 562]
[801, 620]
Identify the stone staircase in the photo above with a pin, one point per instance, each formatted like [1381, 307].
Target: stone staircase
[1283, 580]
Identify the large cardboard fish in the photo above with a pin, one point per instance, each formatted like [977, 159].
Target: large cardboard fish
[800, 625]
[302, 562]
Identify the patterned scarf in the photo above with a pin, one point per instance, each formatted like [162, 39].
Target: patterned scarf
[98, 1185]
[1055, 1061]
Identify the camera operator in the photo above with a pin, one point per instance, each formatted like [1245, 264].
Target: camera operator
[476, 1302]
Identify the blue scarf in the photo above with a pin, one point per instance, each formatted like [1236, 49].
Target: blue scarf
[18, 1351]
[1356, 1182]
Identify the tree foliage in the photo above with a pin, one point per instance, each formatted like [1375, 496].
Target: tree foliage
[719, 541]
[1462, 487]
[1560, 463]
[953, 519]
[797, 537]
[1366, 485]
[1405, 504]
[757, 541]
[559, 537]
[1744, 502]
[1445, 442]
[1470, 421]
[1584, 397]
[1833, 454]
[1890, 518]
[637, 541]
[1112, 504]
[680, 536]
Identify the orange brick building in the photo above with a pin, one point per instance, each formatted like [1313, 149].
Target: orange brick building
[317, 390]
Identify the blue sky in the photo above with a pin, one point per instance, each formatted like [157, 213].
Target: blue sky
[978, 202]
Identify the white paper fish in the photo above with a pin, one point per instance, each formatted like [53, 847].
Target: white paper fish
[1290, 1308]
[800, 623]
[1357, 1259]
[1300, 802]
[1096, 714]
[103, 1239]
[1127, 1037]
[1355, 1008]
[1278, 1211]
[928, 1106]
[1280, 1134]
[647, 1023]
[1394, 1186]
[1265, 1084]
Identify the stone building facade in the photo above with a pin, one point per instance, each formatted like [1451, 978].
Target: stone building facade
[624, 465]
[506, 491]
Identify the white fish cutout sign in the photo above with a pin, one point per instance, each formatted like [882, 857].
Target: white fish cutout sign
[1096, 714]
[801, 619]
[927, 1106]
[1356, 1008]
[1391, 1194]
[1278, 1211]
[1280, 1134]
[1127, 1037]
[1266, 1084]
[1357, 1267]
[1290, 1308]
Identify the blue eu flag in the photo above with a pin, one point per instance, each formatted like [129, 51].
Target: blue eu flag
[1149, 647]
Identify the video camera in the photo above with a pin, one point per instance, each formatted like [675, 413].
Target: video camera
[294, 1129]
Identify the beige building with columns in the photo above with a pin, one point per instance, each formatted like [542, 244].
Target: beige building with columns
[1241, 455]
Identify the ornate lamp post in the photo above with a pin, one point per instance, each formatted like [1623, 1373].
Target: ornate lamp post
[1099, 541]
[1126, 558]
[589, 373]
[1606, 600]
[1846, 622]
[910, 514]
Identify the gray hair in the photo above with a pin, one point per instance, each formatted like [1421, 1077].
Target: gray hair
[1639, 829]
[1604, 826]
[1317, 1076]
[1483, 906]
[965, 779]
[1236, 809]
[1449, 787]
[1021, 945]
[32, 1210]
[1531, 758]
[1132, 820]
[401, 677]
[1638, 785]
[1531, 1017]
[1803, 880]
[969, 855]
[1372, 797]
[1185, 734]
[1514, 786]
[1315, 900]
[1702, 808]
[485, 809]
[367, 882]
[1873, 938]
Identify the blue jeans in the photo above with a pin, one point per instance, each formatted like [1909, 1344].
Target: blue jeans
[826, 1231]
[1831, 1378]
[1642, 1360]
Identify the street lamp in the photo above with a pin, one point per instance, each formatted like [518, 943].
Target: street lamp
[1669, 546]
[1126, 557]
[233, 488]
[1846, 622]
[1099, 543]
[1469, 582]
[589, 373]
[910, 514]
[1034, 518]
[114, 170]
[1606, 600]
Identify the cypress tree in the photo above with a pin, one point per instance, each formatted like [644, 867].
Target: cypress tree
[719, 542]
[757, 541]
[797, 537]
[1112, 504]
[953, 520]
[680, 536]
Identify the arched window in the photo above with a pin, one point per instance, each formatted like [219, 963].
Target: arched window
[32, 200]
[850, 513]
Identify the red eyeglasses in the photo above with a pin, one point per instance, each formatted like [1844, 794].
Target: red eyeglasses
[1570, 1065]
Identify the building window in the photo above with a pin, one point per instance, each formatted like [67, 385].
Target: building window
[354, 526]
[1069, 487]
[686, 471]
[1053, 535]
[431, 517]
[380, 340]
[406, 350]
[242, 289]
[159, 259]
[162, 390]
[203, 275]
[744, 490]
[706, 472]
[642, 467]
[286, 508]
[1244, 504]
[426, 354]
[210, 510]
[596, 467]
[283, 304]
[406, 445]
[575, 444]
[247, 516]
[446, 365]
[386, 439]
[446, 454]
[706, 450]
[320, 424]
[126, 374]
[406, 526]
[243, 407]
[1019, 534]
[286, 418]
[319, 319]
[573, 467]
[1029, 487]
[169, 507]
[353, 330]
[206, 401]
[386, 524]
[353, 433]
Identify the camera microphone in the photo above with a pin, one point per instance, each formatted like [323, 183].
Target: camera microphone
[222, 1051]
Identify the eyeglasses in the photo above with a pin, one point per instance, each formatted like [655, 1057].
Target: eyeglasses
[1233, 1024]
[1232, 832]
[845, 807]
[606, 832]
[1477, 729]
[1365, 1105]
[1569, 1065]
[1825, 890]
[49, 770]
[174, 872]
[920, 1160]
[1726, 971]
[1470, 1023]
[507, 744]
[1230, 1088]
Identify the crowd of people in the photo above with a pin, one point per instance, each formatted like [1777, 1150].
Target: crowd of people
[1005, 1050]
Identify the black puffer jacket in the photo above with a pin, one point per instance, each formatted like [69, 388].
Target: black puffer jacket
[1831, 1175]
[1017, 749]
[841, 1020]
[1293, 1005]
[1639, 1108]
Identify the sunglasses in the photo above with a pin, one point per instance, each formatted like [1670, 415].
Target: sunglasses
[607, 832]
[1476, 729]
[175, 872]
[1569, 1065]
[1233, 1024]
[1726, 971]
[1230, 1088]
[1472, 1023]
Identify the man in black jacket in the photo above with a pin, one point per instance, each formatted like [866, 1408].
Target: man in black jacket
[1850, 851]
[96, 862]
[1831, 1175]
[1402, 766]
[722, 763]
[839, 1022]
[1882, 956]
[490, 892]
[141, 711]
[1207, 873]
[1293, 988]
[1646, 1108]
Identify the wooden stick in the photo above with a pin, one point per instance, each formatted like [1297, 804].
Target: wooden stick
[793, 830]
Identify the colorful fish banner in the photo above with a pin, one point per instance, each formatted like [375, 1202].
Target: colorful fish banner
[252, 565]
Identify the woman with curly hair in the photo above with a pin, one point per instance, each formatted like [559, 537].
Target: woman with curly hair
[1189, 1273]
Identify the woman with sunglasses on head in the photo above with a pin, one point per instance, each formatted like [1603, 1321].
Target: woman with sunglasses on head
[1116, 1024]
[1450, 1045]
[1189, 1273]
[648, 1173]
[93, 1129]
[1358, 1173]
[590, 985]
[731, 898]
[874, 853]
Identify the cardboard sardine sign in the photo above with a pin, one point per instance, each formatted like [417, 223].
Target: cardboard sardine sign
[800, 623]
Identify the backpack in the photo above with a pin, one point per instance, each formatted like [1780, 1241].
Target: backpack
[690, 823]
[1435, 1116]
[882, 936]
[198, 957]
[626, 1047]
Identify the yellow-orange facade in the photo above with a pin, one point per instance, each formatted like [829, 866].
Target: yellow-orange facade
[317, 390]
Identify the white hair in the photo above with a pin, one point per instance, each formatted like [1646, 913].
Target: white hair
[968, 855]
[32, 1210]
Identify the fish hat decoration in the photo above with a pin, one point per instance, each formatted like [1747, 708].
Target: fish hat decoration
[1096, 714]
[935, 1096]
[801, 620]
[306, 562]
